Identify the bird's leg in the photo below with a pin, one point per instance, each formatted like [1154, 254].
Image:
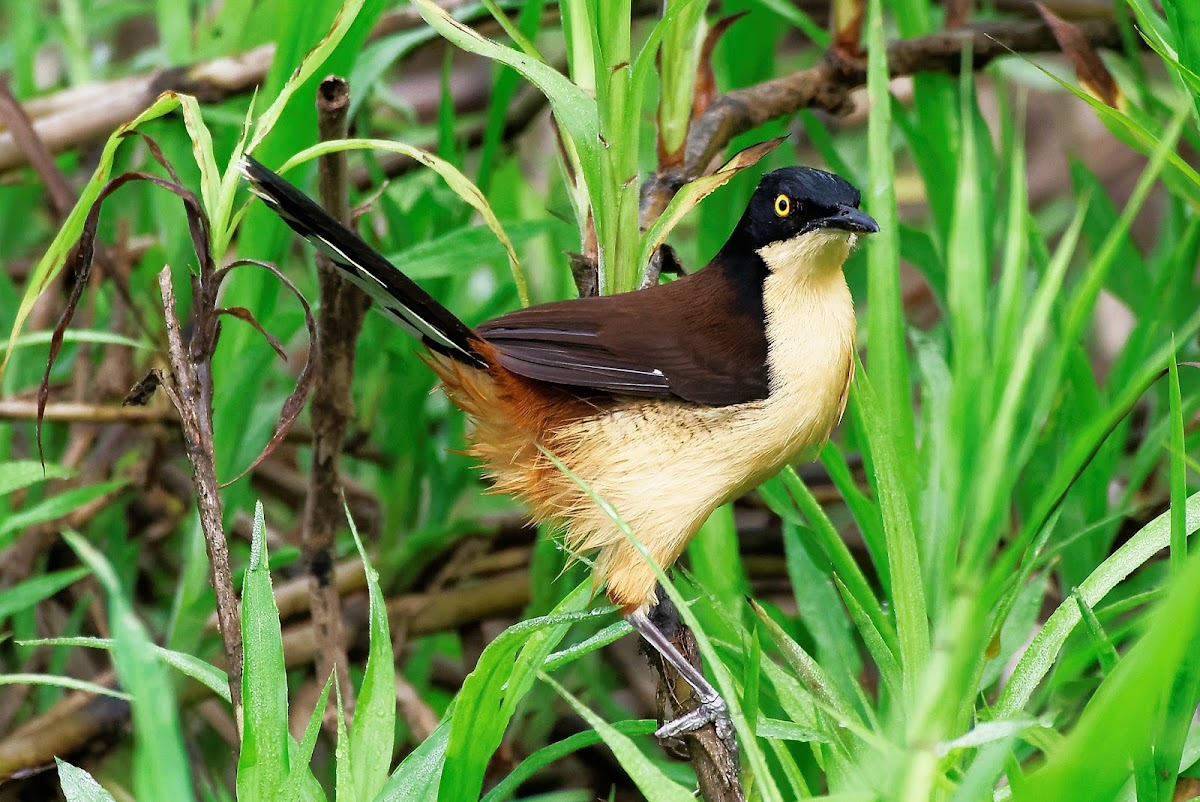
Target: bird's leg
[711, 707]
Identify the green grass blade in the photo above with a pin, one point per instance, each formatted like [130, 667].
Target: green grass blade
[716, 559]
[574, 108]
[845, 567]
[908, 590]
[20, 474]
[79, 786]
[206, 160]
[1037, 660]
[25, 595]
[54, 507]
[453, 177]
[1184, 18]
[814, 677]
[885, 316]
[374, 725]
[543, 757]
[1178, 468]
[263, 764]
[1105, 651]
[489, 695]
[203, 672]
[1123, 716]
[51, 263]
[418, 777]
[311, 62]
[161, 768]
[70, 683]
[343, 772]
[648, 777]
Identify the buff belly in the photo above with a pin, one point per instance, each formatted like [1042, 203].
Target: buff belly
[664, 465]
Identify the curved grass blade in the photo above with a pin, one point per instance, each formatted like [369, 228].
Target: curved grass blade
[160, 762]
[692, 193]
[462, 186]
[51, 263]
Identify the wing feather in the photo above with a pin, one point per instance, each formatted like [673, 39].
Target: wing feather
[691, 339]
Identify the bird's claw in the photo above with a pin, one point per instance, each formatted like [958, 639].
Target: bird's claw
[711, 710]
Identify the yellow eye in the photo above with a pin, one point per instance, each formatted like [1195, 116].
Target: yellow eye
[783, 205]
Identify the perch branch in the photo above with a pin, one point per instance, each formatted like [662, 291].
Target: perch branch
[343, 308]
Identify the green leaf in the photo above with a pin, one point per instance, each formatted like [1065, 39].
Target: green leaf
[79, 786]
[418, 777]
[300, 776]
[310, 64]
[693, 192]
[203, 672]
[1178, 463]
[808, 670]
[202, 152]
[574, 108]
[648, 777]
[471, 246]
[374, 725]
[23, 473]
[490, 694]
[1123, 716]
[70, 683]
[885, 314]
[263, 764]
[51, 263]
[453, 177]
[557, 751]
[56, 507]
[81, 336]
[1040, 656]
[343, 773]
[908, 591]
[25, 595]
[160, 763]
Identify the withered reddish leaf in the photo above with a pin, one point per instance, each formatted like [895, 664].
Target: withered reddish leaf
[242, 313]
[695, 191]
[81, 260]
[294, 404]
[1093, 75]
[847, 20]
[706, 81]
[140, 394]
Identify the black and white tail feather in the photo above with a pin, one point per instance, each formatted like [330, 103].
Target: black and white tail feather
[396, 295]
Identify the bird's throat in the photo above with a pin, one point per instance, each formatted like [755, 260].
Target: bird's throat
[809, 256]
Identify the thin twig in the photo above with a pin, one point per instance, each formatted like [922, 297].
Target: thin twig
[827, 85]
[190, 390]
[343, 308]
[13, 116]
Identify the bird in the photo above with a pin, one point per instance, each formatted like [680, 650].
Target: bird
[665, 402]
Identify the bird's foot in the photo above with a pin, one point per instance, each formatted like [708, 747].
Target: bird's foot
[711, 710]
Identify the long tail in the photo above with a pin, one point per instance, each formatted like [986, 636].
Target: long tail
[397, 295]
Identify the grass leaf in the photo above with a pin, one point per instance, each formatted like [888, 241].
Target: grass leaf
[263, 764]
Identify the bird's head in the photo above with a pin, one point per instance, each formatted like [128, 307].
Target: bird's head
[801, 217]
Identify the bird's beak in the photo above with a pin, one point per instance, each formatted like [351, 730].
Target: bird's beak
[847, 218]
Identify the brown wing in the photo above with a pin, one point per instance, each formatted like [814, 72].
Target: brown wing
[699, 339]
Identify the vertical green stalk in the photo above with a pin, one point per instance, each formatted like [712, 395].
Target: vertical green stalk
[887, 359]
[677, 74]
[1178, 461]
[1184, 18]
[619, 237]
